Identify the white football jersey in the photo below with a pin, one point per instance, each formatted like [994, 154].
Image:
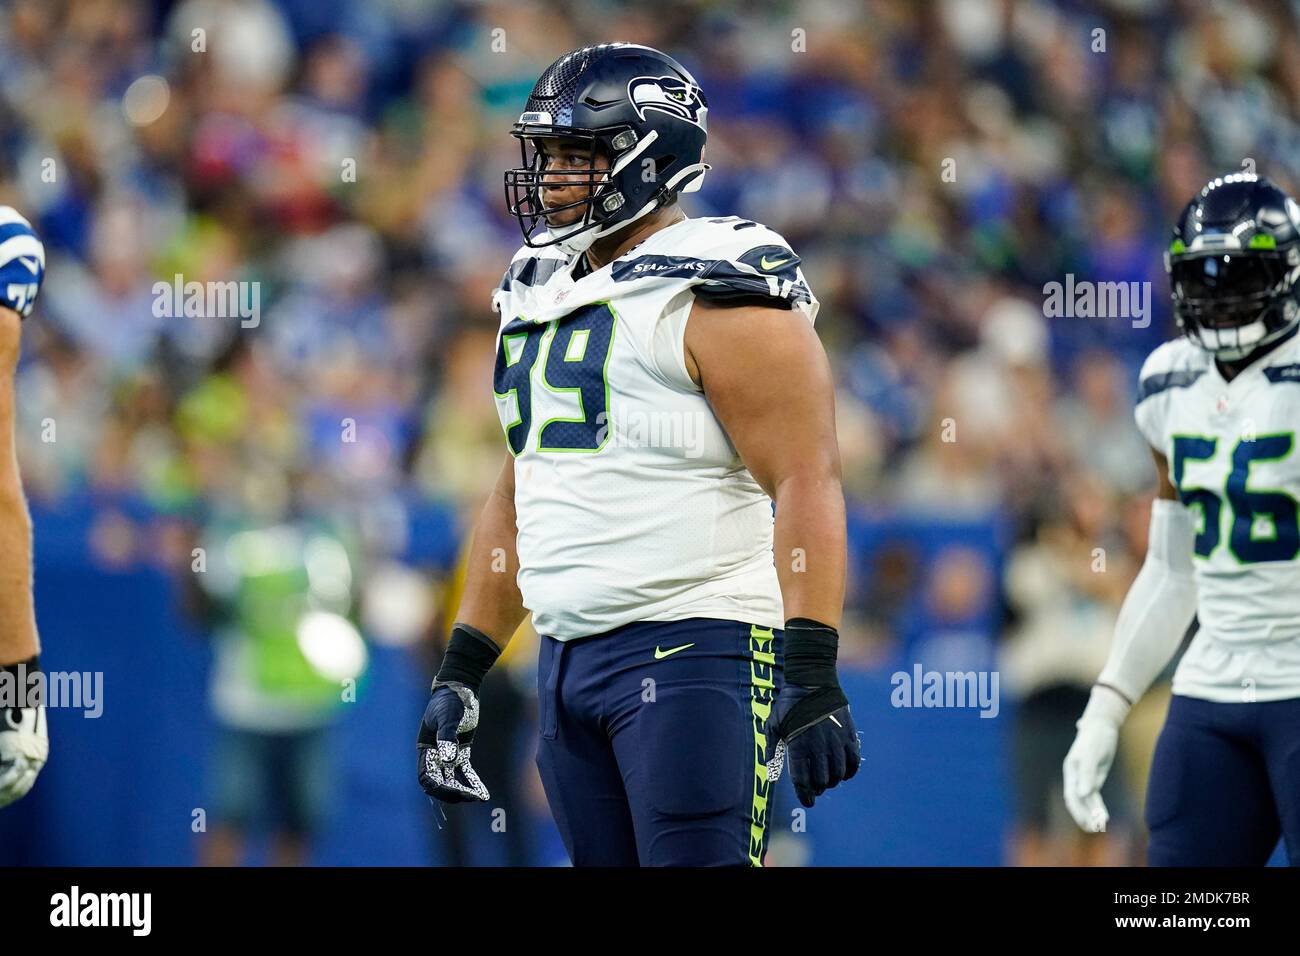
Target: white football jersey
[1234, 459]
[631, 502]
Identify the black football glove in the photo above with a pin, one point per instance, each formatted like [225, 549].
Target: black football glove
[451, 717]
[446, 733]
[810, 723]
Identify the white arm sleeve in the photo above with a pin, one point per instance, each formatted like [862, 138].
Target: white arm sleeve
[1159, 605]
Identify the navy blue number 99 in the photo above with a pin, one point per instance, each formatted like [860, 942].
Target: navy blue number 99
[575, 363]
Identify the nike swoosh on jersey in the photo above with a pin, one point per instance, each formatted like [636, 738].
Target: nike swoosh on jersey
[32, 265]
[765, 264]
[661, 654]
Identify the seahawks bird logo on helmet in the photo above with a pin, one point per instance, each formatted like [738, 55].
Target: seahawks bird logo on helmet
[668, 93]
[1233, 265]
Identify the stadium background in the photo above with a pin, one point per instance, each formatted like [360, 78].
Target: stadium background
[839, 125]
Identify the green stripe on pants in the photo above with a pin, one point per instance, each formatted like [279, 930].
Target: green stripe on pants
[762, 664]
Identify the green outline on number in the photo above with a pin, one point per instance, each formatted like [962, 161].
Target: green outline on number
[1247, 490]
[555, 390]
[505, 344]
[1200, 506]
[505, 339]
[586, 337]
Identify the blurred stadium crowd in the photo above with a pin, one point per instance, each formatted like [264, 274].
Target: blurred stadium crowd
[348, 156]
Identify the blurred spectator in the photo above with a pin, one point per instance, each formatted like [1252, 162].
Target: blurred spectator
[277, 599]
[1065, 586]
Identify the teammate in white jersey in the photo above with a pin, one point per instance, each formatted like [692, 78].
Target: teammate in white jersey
[1220, 407]
[660, 386]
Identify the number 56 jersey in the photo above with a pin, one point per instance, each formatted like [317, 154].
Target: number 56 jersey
[1234, 459]
[630, 500]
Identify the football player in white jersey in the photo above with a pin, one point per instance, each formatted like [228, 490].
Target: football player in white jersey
[660, 386]
[1220, 407]
[24, 744]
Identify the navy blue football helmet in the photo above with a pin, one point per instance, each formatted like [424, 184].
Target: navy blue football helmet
[1233, 265]
[637, 108]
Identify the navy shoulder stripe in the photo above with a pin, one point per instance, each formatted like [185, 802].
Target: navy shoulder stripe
[531, 272]
[1283, 373]
[1155, 384]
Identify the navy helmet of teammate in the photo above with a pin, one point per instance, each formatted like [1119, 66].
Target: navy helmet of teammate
[1233, 265]
[1219, 406]
[659, 386]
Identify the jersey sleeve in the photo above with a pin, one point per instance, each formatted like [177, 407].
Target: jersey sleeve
[668, 343]
[499, 292]
[746, 263]
[1160, 372]
[1150, 422]
[732, 261]
[529, 267]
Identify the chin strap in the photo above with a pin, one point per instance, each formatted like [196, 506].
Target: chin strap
[584, 236]
[576, 244]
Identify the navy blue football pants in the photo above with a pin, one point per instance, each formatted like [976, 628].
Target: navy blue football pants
[1225, 782]
[652, 746]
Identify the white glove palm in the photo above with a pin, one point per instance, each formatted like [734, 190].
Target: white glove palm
[1090, 758]
[24, 748]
